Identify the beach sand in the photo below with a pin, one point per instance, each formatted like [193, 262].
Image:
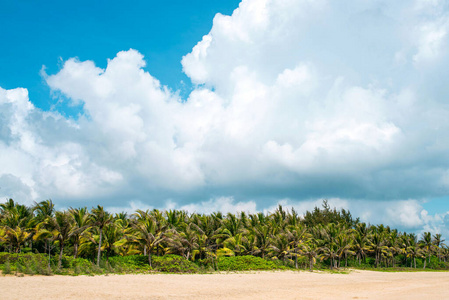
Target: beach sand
[254, 285]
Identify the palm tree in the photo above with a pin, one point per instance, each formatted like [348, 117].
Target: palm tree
[328, 240]
[280, 246]
[394, 245]
[80, 223]
[112, 234]
[426, 244]
[58, 229]
[15, 237]
[438, 242]
[175, 218]
[146, 233]
[344, 242]
[263, 241]
[297, 234]
[310, 250]
[18, 222]
[211, 228]
[413, 250]
[377, 246]
[360, 246]
[184, 242]
[99, 218]
[44, 209]
[237, 244]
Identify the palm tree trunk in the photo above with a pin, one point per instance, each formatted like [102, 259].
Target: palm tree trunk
[296, 260]
[311, 264]
[60, 255]
[49, 255]
[99, 247]
[75, 250]
[149, 258]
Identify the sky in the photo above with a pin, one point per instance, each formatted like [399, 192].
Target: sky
[228, 105]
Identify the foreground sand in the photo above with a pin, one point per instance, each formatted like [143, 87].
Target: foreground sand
[256, 285]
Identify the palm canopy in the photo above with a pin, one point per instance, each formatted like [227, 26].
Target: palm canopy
[281, 235]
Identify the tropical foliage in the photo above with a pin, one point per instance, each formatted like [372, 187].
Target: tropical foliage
[176, 241]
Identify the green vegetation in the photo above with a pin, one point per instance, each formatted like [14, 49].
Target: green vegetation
[41, 240]
[247, 263]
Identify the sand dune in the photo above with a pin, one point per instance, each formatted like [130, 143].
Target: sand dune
[255, 285]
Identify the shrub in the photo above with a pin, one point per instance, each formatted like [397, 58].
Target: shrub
[167, 263]
[246, 263]
[22, 258]
[173, 264]
[130, 262]
[7, 268]
[77, 270]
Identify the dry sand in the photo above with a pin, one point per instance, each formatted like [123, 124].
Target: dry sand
[256, 285]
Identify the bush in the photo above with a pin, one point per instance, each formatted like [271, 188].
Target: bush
[22, 258]
[246, 263]
[173, 264]
[130, 262]
[167, 263]
[7, 268]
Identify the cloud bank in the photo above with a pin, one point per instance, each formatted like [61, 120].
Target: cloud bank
[297, 100]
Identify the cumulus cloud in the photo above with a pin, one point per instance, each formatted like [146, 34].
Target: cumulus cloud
[292, 100]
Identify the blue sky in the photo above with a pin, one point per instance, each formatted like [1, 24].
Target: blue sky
[228, 105]
[41, 34]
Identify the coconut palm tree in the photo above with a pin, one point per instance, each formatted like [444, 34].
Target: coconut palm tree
[297, 235]
[280, 246]
[146, 233]
[438, 243]
[44, 209]
[377, 246]
[237, 244]
[99, 218]
[262, 235]
[57, 228]
[80, 223]
[310, 250]
[185, 242]
[15, 237]
[344, 242]
[426, 244]
[413, 249]
[328, 243]
[360, 246]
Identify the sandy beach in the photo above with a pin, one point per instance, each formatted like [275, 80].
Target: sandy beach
[255, 285]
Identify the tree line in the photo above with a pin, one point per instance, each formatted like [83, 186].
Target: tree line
[328, 236]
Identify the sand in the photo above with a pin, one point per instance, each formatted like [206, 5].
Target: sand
[255, 285]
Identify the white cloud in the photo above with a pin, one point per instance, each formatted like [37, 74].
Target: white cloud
[405, 215]
[220, 204]
[295, 99]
